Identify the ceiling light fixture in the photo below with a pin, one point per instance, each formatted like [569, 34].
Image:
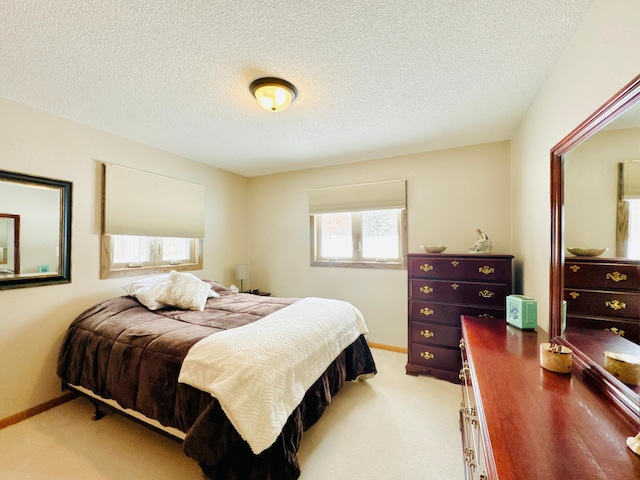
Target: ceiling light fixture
[273, 94]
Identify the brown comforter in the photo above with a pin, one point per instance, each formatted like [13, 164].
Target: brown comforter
[122, 351]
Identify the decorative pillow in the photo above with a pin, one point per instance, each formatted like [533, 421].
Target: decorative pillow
[147, 290]
[185, 291]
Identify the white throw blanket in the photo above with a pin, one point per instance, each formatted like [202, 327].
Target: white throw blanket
[260, 372]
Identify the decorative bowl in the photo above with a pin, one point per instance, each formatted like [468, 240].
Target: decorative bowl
[587, 252]
[429, 249]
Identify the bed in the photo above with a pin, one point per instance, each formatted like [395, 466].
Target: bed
[124, 353]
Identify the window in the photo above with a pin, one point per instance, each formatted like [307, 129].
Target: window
[628, 219]
[127, 254]
[633, 233]
[359, 225]
[150, 222]
[369, 237]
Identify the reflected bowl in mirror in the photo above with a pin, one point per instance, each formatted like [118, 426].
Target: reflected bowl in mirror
[587, 252]
[429, 249]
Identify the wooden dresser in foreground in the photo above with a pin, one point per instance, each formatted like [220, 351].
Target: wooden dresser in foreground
[603, 293]
[520, 421]
[441, 287]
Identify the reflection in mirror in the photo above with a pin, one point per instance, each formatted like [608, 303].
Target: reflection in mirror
[35, 230]
[599, 213]
[589, 189]
[628, 217]
[9, 244]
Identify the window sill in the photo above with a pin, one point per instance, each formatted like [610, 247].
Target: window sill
[350, 264]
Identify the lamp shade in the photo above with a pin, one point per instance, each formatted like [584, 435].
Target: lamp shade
[242, 271]
[273, 94]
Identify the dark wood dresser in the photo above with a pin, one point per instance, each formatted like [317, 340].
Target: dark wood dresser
[520, 421]
[441, 287]
[603, 293]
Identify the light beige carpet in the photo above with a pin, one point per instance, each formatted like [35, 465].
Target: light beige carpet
[393, 426]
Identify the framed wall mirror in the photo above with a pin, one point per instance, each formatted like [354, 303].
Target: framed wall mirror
[35, 230]
[592, 155]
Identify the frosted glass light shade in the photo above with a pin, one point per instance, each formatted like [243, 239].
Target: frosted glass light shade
[273, 94]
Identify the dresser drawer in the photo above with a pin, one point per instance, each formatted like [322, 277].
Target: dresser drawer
[625, 328]
[449, 313]
[607, 276]
[485, 294]
[435, 334]
[605, 304]
[455, 267]
[433, 357]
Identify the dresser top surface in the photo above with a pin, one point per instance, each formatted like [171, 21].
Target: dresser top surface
[542, 424]
[496, 256]
[599, 260]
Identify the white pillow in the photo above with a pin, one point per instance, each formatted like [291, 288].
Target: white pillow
[147, 290]
[185, 291]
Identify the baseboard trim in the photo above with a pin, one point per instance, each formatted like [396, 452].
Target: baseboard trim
[391, 348]
[43, 407]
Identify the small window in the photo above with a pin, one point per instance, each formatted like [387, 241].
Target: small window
[128, 254]
[372, 238]
[628, 217]
[633, 233]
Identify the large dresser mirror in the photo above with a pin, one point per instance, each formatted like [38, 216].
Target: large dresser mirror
[595, 218]
[35, 230]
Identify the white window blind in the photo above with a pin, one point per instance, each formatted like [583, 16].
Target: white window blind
[631, 180]
[357, 198]
[146, 204]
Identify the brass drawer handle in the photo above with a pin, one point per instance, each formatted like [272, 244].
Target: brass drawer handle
[427, 355]
[469, 414]
[426, 289]
[455, 286]
[486, 294]
[617, 331]
[470, 457]
[574, 295]
[426, 333]
[487, 270]
[426, 311]
[486, 315]
[455, 263]
[461, 345]
[616, 276]
[616, 305]
[426, 267]
[575, 268]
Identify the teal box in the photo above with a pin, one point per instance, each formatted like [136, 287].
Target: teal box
[522, 312]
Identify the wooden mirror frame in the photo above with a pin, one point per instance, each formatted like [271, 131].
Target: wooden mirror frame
[620, 394]
[64, 273]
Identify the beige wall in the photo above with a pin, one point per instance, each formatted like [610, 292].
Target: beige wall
[450, 193]
[33, 320]
[600, 59]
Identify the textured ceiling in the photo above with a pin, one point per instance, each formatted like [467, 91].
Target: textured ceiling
[376, 78]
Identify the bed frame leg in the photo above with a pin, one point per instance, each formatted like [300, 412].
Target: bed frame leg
[97, 414]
